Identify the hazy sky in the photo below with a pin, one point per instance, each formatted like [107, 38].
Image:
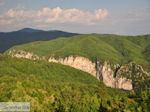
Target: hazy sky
[84, 16]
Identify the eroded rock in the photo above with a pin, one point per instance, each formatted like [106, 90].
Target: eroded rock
[115, 77]
[77, 62]
[23, 54]
[114, 82]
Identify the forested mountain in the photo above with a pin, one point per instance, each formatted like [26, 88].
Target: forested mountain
[10, 39]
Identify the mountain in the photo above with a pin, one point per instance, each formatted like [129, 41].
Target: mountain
[59, 75]
[29, 30]
[26, 35]
[53, 87]
[112, 48]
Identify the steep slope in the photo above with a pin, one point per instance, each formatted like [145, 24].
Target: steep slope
[10, 39]
[113, 48]
[116, 59]
[147, 53]
[122, 76]
[53, 87]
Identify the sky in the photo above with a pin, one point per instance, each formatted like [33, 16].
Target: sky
[126, 17]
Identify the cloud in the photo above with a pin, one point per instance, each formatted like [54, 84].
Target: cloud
[46, 16]
[131, 17]
[1, 2]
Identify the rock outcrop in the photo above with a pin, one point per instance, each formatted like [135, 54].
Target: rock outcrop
[101, 71]
[107, 75]
[134, 72]
[77, 62]
[23, 54]
[116, 77]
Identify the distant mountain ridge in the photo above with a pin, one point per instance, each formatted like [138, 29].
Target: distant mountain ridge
[26, 35]
[29, 30]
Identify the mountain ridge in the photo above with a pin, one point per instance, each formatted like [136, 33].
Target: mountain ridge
[29, 30]
[116, 49]
[26, 35]
[55, 87]
[123, 76]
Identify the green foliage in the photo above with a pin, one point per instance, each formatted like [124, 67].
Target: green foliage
[52, 87]
[58, 88]
[113, 48]
[143, 96]
[147, 53]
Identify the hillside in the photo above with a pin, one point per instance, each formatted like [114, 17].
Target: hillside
[54, 87]
[113, 48]
[59, 88]
[10, 39]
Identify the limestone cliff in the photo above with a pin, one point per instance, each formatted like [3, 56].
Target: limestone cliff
[23, 54]
[134, 72]
[107, 75]
[115, 77]
[77, 62]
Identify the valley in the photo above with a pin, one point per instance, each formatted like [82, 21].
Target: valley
[85, 72]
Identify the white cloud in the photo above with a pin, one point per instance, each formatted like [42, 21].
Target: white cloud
[52, 15]
[1, 2]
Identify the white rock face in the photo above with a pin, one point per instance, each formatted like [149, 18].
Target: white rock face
[107, 76]
[86, 65]
[118, 82]
[123, 83]
[83, 64]
[23, 54]
[78, 62]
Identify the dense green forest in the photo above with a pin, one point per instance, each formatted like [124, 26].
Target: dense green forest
[113, 48]
[74, 55]
[53, 87]
[26, 35]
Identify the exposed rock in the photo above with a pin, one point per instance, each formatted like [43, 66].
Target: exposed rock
[134, 72]
[114, 82]
[100, 71]
[78, 62]
[122, 77]
[23, 54]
